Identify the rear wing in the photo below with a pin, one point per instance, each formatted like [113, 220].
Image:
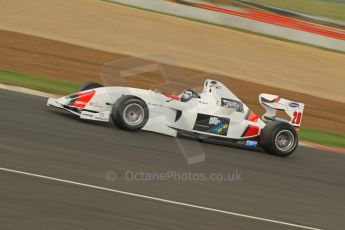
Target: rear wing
[272, 103]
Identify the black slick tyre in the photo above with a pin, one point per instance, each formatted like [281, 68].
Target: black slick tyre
[130, 113]
[88, 85]
[279, 138]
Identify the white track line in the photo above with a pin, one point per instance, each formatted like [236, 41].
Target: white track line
[26, 90]
[157, 199]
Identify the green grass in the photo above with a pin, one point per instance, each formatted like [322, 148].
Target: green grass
[62, 87]
[322, 137]
[323, 8]
[38, 83]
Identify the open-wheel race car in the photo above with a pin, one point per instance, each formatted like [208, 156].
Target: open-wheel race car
[215, 114]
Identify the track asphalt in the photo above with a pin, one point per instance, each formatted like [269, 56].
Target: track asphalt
[307, 188]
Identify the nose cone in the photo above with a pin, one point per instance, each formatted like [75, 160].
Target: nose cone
[59, 102]
[63, 100]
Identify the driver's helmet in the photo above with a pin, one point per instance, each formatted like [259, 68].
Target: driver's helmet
[187, 95]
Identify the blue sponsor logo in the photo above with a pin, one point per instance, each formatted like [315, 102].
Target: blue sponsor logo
[294, 105]
[251, 143]
[222, 125]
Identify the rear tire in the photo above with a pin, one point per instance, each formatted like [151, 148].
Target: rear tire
[130, 113]
[88, 85]
[279, 138]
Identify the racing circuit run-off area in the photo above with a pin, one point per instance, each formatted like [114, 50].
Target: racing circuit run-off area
[162, 114]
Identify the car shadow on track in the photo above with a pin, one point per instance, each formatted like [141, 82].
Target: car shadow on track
[111, 125]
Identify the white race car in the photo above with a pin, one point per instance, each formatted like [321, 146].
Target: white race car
[215, 114]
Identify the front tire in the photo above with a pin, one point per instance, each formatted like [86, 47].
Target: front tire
[130, 113]
[279, 138]
[88, 85]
